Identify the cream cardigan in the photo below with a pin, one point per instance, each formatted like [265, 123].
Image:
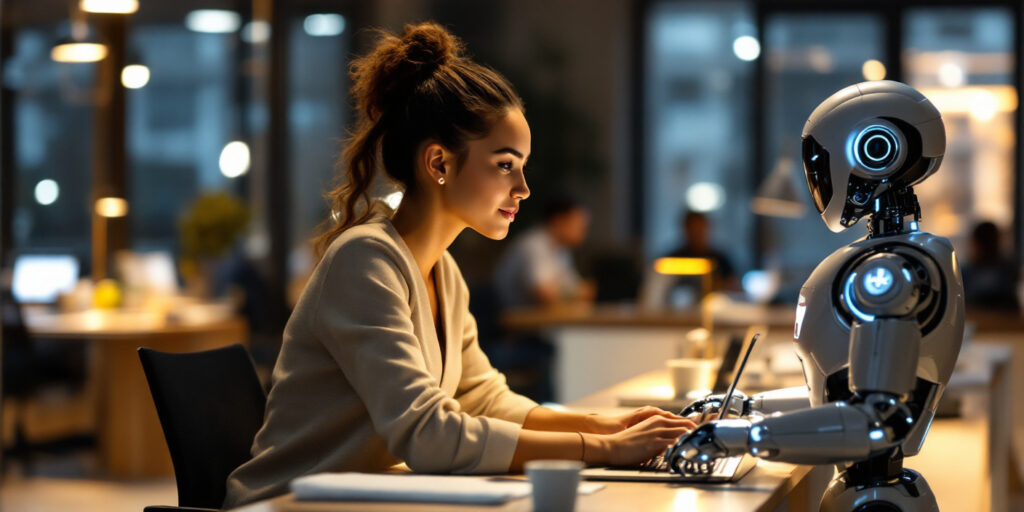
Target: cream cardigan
[358, 385]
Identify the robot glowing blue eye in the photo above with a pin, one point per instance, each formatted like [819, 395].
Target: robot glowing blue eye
[877, 281]
[755, 434]
[876, 147]
[703, 456]
[876, 435]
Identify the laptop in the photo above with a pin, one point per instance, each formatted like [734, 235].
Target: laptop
[722, 470]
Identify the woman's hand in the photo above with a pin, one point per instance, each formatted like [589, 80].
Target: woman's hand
[613, 424]
[639, 442]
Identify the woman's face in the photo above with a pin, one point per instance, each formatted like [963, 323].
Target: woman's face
[486, 191]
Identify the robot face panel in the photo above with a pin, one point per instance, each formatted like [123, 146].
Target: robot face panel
[864, 141]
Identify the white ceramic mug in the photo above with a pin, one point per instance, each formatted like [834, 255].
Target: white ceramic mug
[555, 483]
[691, 375]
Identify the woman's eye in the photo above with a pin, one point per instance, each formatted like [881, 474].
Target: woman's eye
[506, 166]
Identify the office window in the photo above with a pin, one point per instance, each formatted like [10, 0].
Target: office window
[697, 104]
[177, 126]
[963, 59]
[52, 144]
[318, 115]
[807, 58]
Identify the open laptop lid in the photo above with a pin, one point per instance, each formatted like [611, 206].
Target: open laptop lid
[725, 371]
[723, 410]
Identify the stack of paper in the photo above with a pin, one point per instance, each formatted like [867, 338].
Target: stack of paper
[417, 488]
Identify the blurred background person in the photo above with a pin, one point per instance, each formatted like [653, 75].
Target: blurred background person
[538, 269]
[695, 228]
[990, 277]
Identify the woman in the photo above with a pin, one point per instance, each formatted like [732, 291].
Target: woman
[380, 362]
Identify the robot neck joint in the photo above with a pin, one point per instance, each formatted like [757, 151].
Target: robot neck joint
[896, 212]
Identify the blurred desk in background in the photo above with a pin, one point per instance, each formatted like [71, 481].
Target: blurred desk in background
[599, 346]
[131, 442]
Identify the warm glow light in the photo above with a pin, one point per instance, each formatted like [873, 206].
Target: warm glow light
[78, 52]
[234, 159]
[135, 76]
[111, 207]
[980, 102]
[873, 70]
[951, 75]
[705, 196]
[983, 106]
[109, 6]
[256, 32]
[393, 200]
[746, 48]
[683, 266]
[323, 25]
[213, 21]
[47, 192]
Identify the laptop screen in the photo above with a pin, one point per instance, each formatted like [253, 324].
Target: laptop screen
[40, 278]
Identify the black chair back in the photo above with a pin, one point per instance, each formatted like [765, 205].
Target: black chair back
[210, 405]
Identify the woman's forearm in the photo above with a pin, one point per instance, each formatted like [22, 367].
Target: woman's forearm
[534, 444]
[542, 418]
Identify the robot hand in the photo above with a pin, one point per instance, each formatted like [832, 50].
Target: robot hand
[713, 440]
[710, 405]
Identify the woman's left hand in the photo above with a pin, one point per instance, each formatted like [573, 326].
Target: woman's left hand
[613, 424]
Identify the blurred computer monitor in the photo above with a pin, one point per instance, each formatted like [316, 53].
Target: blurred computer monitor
[41, 278]
[152, 272]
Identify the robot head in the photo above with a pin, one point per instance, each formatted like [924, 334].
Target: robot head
[866, 140]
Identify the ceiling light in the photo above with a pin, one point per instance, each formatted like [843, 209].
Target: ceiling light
[213, 21]
[321, 25]
[873, 70]
[47, 192]
[135, 76]
[67, 50]
[109, 6]
[111, 207]
[234, 159]
[746, 48]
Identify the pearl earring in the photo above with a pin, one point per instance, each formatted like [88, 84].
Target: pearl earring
[440, 181]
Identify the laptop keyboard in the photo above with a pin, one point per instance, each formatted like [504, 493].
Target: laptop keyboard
[718, 467]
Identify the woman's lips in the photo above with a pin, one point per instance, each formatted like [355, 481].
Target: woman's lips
[509, 215]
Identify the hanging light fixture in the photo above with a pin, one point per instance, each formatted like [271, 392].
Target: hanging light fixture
[109, 6]
[778, 196]
[80, 47]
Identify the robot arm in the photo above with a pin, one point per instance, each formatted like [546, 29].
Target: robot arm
[767, 402]
[821, 435]
[883, 353]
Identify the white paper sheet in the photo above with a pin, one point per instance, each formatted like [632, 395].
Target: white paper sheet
[417, 488]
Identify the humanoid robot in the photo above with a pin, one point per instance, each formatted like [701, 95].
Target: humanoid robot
[879, 322]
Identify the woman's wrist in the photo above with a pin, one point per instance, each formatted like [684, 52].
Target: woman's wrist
[595, 449]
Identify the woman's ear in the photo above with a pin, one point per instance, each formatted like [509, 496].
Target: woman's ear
[435, 160]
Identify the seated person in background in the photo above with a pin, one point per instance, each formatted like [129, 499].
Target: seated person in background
[990, 278]
[537, 269]
[696, 231]
[380, 362]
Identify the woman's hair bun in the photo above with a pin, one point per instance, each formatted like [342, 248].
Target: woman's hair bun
[398, 65]
[430, 45]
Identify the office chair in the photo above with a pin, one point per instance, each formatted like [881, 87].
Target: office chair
[210, 406]
[28, 367]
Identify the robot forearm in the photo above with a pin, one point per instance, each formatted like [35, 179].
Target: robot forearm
[832, 433]
[780, 400]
